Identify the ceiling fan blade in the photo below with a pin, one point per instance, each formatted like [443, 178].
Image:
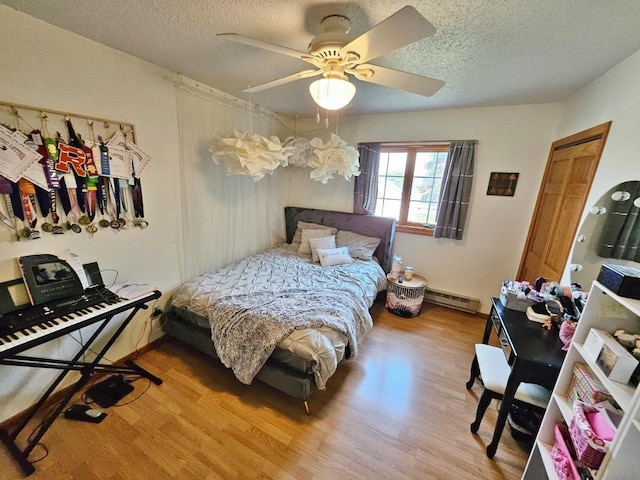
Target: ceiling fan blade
[406, 81]
[405, 26]
[234, 37]
[283, 80]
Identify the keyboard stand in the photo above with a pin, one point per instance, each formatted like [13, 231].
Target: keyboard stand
[86, 369]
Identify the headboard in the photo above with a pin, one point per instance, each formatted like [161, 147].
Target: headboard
[369, 225]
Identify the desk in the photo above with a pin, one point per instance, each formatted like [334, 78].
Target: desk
[534, 353]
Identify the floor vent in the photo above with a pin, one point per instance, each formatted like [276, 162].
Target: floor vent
[451, 300]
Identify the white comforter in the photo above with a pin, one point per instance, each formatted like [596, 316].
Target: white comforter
[282, 268]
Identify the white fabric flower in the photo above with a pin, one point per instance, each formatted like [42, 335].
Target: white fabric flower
[298, 151]
[335, 156]
[248, 154]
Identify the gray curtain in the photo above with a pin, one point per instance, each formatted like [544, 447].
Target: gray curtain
[365, 191]
[621, 234]
[456, 190]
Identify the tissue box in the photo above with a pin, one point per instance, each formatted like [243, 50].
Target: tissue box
[586, 387]
[625, 281]
[613, 359]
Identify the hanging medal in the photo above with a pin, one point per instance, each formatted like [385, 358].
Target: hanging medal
[92, 182]
[70, 165]
[8, 220]
[15, 203]
[49, 158]
[138, 205]
[28, 201]
[119, 222]
[80, 174]
[125, 198]
[103, 199]
[43, 195]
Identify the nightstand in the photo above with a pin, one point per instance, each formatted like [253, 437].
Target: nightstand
[405, 299]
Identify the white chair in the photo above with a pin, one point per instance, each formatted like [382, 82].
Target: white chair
[494, 370]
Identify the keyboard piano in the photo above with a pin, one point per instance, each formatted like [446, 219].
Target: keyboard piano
[35, 325]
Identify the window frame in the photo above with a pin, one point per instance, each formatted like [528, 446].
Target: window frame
[412, 149]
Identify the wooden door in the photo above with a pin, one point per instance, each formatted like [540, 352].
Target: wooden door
[566, 183]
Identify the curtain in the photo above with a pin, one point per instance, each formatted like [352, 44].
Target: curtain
[365, 190]
[224, 218]
[621, 234]
[456, 190]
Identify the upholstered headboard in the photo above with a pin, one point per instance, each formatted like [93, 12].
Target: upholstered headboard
[369, 225]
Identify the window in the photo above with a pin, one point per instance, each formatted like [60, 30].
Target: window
[409, 182]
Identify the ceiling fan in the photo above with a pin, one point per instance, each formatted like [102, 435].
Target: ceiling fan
[334, 54]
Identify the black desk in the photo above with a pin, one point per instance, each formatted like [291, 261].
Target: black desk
[534, 353]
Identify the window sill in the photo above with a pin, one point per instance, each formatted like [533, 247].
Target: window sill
[415, 230]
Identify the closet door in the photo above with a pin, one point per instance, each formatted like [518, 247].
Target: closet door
[570, 170]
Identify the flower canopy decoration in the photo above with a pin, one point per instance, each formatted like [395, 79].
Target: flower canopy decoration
[299, 150]
[335, 156]
[255, 155]
[250, 154]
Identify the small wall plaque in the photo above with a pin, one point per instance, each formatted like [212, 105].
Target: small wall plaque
[503, 184]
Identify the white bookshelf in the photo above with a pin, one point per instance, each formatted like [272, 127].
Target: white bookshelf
[606, 311]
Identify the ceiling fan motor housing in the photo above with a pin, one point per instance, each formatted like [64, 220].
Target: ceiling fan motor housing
[334, 36]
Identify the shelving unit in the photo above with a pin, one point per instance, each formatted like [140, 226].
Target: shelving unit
[607, 311]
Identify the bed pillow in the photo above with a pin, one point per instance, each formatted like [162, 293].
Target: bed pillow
[297, 237]
[321, 242]
[334, 256]
[359, 246]
[307, 234]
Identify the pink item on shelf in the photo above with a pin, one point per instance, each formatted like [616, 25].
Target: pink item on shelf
[563, 463]
[590, 448]
[567, 329]
[601, 426]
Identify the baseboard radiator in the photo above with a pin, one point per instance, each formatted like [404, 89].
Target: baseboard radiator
[451, 300]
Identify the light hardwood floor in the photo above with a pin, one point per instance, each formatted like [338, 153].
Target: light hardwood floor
[399, 411]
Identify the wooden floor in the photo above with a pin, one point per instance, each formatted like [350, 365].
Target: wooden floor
[399, 411]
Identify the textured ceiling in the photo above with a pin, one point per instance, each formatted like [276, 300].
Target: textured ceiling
[489, 52]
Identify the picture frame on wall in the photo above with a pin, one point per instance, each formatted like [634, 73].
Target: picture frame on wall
[502, 184]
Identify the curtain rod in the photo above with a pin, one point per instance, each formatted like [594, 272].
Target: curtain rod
[421, 142]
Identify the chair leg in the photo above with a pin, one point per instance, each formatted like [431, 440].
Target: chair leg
[475, 371]
[483, 404]
[306, 407]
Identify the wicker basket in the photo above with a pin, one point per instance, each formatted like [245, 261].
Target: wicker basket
[405, 299]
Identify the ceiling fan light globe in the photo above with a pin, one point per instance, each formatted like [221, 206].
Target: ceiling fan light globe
[332, 93]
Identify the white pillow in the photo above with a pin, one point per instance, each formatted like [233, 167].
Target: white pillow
[359, 246]
[297, 237]
[334, 256]
[307, 234]
[321, 242]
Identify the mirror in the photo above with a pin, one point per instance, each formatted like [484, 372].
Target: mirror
[605, 215]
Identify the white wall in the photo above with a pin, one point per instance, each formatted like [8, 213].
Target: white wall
[510, 139]
[44, 66]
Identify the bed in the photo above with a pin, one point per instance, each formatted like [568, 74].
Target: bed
[282, 319]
